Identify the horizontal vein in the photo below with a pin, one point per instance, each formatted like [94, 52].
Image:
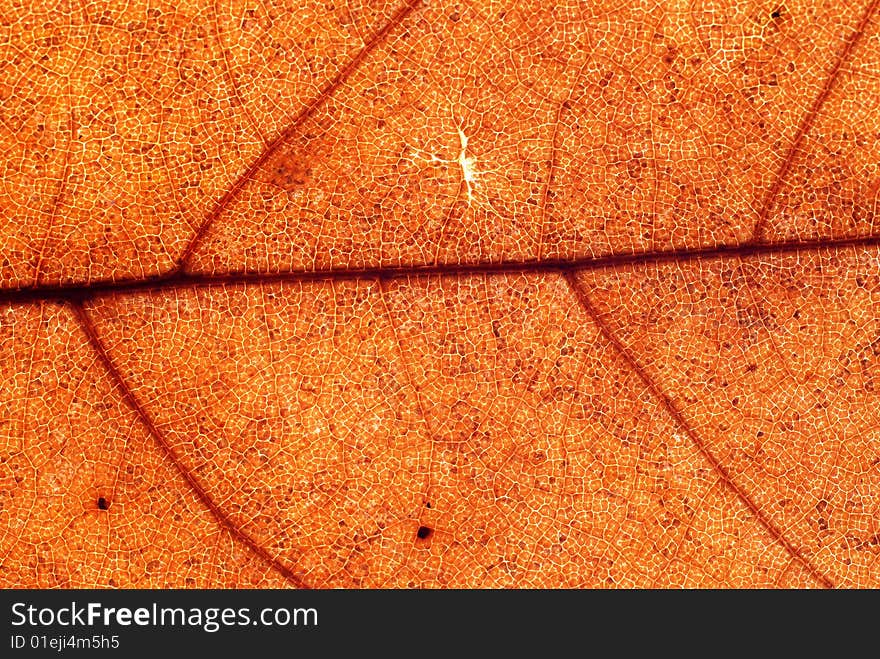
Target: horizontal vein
[678, 417]
[294, 125]
[223, 519]
[180, 280]
[809, 119]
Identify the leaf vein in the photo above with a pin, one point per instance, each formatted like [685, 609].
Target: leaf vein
[91, 332]
[667, 404]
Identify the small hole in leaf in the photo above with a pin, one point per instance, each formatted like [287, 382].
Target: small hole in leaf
[424, 532]
[103, 504]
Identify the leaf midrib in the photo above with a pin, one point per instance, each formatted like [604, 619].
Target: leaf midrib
[178, 280]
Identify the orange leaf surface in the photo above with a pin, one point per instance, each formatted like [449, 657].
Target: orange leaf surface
[440, 294]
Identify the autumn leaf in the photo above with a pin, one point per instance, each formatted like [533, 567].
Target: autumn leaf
[438, 294]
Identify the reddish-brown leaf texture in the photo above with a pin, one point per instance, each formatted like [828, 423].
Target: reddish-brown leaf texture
[397, 293]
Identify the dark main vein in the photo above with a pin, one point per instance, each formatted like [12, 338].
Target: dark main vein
[304, 115]
[222, 518]
[809, 119]
[667, 404]
[180, 280]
